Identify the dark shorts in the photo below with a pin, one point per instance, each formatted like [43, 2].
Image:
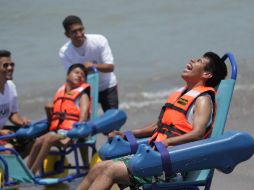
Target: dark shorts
[20, 144]
[109, 98]
[139, 181]
[3, 142]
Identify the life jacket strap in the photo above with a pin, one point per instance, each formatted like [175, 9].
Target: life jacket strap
[63, 98]
[171, 106]
[169, 130]
[165, 158]
[61, 116]
[64, 114]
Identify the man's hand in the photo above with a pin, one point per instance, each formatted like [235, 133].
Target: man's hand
[165, 142]
[4, 132]
[88, 65]
[16, 119]
[25, 121]
[65, 142]
[114, 133]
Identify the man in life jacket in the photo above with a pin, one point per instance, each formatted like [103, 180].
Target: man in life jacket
[187, 116]
[71, 104]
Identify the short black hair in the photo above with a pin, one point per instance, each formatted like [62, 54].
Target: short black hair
[77, 65]
[5, 53]
[217, 67]
[70, 20]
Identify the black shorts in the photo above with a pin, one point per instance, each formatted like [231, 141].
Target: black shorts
[20, 144]
[109, 98]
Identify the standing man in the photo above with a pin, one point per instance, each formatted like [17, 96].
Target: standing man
[92, 50]
[8, 99]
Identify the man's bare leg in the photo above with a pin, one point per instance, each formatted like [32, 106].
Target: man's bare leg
[105, 175]
[35, 151]
[50, 140]
[93, 173]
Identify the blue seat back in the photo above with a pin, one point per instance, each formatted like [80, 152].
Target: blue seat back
[223, 99]
[93, 80]
[17, 168]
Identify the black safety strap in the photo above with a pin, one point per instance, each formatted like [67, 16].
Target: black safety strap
[165, 158]
[132, 140]
[63, 98]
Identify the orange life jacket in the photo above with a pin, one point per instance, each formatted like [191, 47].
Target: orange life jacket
[65, 111]
[172, 120]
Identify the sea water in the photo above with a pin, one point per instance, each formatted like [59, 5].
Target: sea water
[151, 42]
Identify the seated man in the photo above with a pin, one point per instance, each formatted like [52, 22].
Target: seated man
[187, 116]
[71, 104]
[9, 104]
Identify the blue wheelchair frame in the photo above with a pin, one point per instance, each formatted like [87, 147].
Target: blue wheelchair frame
[224, 94]
[120, 147]
[195, 179]
[16, 171]
[93, 80]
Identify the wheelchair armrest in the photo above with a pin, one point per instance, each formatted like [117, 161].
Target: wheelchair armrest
[220, 152]
[33, 130]
[111, 120]
[118, 147]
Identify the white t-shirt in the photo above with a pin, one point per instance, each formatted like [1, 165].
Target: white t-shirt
[190, 113]
[95, 49]
[8, 102]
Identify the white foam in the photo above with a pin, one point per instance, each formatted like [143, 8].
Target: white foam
[138, 104]
[245, 87]
[36, 100]
[145, 99]
[159, 94]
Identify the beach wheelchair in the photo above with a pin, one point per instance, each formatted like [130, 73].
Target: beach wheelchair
[197, 160]
[14, 169]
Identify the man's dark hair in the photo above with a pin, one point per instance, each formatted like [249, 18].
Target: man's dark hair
[5, 53]
[217, 67]
[77, 65]
[70, 20]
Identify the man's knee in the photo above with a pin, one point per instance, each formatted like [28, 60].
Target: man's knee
[112, 170]
[38, 142]
[101, 167]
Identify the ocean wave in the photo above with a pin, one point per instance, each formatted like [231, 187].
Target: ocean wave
[144, 99]
[141, 99]
[130, 101]
[36, 100]
[160, 94]
[138, 104]
[245, 87]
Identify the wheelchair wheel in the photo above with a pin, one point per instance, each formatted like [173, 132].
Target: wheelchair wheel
[53, 164]
[95, 159]
[1, 178]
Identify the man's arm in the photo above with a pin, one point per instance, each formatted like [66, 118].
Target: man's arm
[102, 67]
[139, 133]
[16, 119]
[202, 114]
[146, 131]
[107, 60]
[84, 107]
[49, 111]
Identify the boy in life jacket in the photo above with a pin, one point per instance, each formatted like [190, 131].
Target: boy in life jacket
[187, 116]
[71, 104]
